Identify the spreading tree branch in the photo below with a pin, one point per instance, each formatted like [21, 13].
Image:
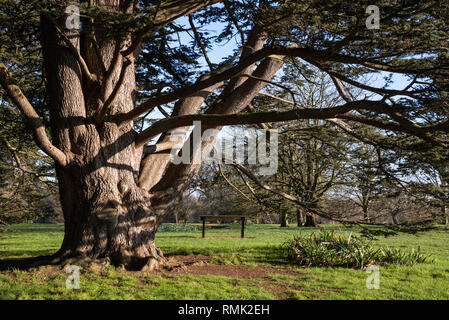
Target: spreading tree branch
[14, 152]
[163, 16]
[108, 103]
[305, 53]
[200, 44]
[74, 51]
[231, 184]
[39, 132]
[254, 118]
[289, 197]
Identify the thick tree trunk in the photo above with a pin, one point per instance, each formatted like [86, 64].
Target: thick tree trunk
[283, 219]
[366, 214]
[107, 218]
[299, 217]
[107, 215]
[112, 200]
[445, 214]
[310, 221]
[394, 218]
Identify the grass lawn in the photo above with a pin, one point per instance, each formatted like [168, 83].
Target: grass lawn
[250, 268]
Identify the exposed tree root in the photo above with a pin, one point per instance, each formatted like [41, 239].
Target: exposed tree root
[63, 259]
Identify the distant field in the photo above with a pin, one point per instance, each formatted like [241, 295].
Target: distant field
[223, 266]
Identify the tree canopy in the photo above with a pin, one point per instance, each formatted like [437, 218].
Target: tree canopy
[108, 88]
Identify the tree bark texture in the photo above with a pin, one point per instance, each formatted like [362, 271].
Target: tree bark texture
[310, 221]
[299, 217]
[106, 213]
[112, 193]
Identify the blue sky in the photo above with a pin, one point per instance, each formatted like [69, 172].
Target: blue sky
[220, 51]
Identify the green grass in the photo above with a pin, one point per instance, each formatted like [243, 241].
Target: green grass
[261, 247]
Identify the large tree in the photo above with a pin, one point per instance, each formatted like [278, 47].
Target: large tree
[429, 172]
[114, 187]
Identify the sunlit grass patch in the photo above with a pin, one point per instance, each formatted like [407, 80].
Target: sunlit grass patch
[263, 247]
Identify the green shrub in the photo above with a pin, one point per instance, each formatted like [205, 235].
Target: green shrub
[331, 249]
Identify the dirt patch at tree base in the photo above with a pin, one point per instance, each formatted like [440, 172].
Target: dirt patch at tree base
[200, 265]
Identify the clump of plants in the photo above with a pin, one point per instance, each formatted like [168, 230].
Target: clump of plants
[331, 249]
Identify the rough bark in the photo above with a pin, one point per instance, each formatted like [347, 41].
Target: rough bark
[112, 200]
[310, 221]
[299, 217]
[366, 214]
[283, 219]
[445, 214]
[107, 215]
[177, 177]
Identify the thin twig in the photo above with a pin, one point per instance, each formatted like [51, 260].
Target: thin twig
[200, 44]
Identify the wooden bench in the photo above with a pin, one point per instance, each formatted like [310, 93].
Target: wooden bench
[223, 218]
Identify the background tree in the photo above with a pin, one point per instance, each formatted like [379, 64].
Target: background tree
[312, 153]
[26, 175]
[365, 182]
[311, 165]
[429, 177]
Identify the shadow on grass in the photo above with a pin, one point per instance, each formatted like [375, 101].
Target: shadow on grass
[17, 254]
[26, 263]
